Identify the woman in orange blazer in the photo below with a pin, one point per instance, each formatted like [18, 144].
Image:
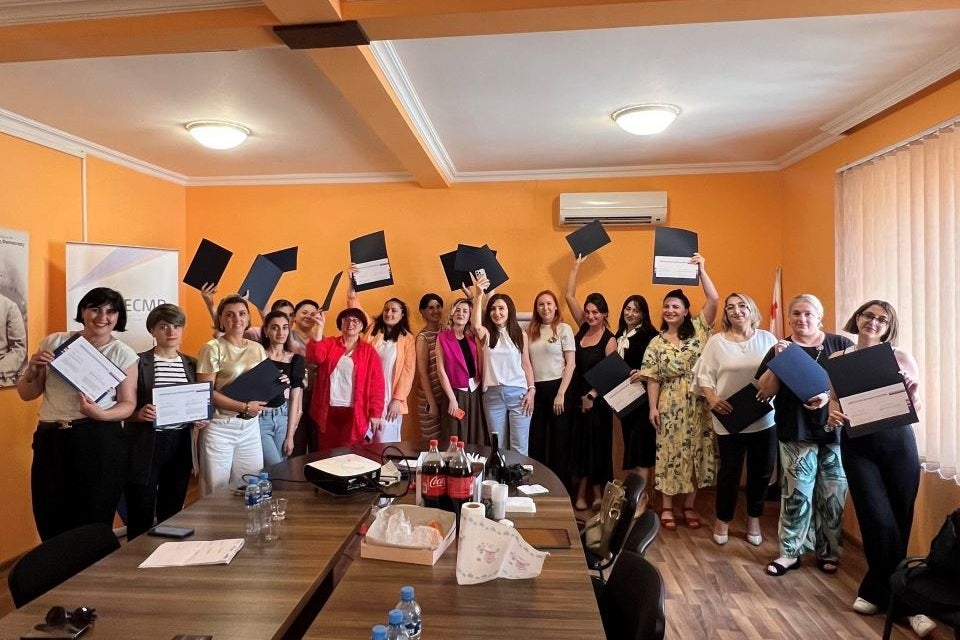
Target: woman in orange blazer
[389, 333]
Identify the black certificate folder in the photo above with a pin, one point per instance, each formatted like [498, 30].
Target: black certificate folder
[260, 384]
[871, 390]
[369, 254]
[672, 250]
[611, 378]
[746, 410]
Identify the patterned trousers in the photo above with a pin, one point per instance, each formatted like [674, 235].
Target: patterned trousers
[812, 494]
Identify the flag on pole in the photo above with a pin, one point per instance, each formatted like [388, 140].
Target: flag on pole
[776, 307]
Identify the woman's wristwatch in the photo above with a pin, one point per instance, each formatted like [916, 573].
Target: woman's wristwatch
[591, 396]
[245, 415]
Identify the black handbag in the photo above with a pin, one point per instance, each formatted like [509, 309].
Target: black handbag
[944, 556]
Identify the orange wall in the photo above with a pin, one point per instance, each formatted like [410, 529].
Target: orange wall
[40, 193]
[737, 216]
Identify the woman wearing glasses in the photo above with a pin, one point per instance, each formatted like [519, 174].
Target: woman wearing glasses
[883, 469]
[78, 448]
[347, 400]
[814, 486]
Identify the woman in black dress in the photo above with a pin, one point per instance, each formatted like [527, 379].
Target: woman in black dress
[634, 333]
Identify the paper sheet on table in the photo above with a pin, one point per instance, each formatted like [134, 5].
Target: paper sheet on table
[489, 550]
[193, 553]
[532, 489]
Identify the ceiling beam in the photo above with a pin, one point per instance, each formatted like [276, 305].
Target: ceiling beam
[305, 11]
[355, 72]
[404, 19]
[182, 32]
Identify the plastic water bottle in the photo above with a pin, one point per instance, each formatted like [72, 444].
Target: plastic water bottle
[266, 487]
[251, 499]
[379, 632]
[395, 628]
[411, 612]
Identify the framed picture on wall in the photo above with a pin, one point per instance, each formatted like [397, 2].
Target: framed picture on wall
[14, 259]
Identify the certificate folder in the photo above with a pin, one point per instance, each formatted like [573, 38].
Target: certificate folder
[802, 374]
[611, 377]
[85, 369]
[208, 264]
[261, 281]
[672, 250]
[588, 239]
[746, 410]
[333, 288]
[480, 259]
[260, 384]
[369, 253]
[871, 390]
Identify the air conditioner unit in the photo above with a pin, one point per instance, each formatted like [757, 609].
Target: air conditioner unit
[638, 208]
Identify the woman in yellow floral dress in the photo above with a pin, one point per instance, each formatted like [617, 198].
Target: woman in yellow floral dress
[686, 448]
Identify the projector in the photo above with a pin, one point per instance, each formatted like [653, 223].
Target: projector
[344, 474]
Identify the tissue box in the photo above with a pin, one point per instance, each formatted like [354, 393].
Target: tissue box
[370, 548]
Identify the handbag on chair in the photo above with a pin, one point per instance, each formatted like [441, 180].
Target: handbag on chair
[944, 556]
[599, 528]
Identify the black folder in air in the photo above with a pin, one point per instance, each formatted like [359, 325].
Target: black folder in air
[868, 370]
[588, 239]
[261, 281]
[207, 265]
[260, 384]
[475, 259]
[676, 243]
[369, 248]
[333, 288]
[607, 374]
[746, 410]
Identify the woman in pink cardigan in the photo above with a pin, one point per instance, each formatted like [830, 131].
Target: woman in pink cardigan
[347, 400]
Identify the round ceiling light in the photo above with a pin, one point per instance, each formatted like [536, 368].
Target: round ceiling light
[645, 119]
[217, 134]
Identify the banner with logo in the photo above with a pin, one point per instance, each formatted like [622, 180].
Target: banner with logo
[144, 276]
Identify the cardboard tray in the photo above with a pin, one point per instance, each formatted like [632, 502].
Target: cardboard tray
[417, 515]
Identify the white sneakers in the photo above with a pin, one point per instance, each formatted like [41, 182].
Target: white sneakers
[922, 625]
[863, 606]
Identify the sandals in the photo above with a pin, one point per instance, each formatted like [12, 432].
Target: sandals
[692, 518]
[667, 520]
[829, 567]
[776, 569]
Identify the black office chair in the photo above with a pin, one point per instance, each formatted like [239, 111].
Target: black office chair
[643, 533]
[631, 601]
[914, 585]
[58, 559]
[633, 488]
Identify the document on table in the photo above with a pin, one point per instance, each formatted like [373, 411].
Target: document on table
[85, 368]
[871, 390]
[193, 553]
[181, 403]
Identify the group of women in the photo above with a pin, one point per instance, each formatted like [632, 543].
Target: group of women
[477, 372]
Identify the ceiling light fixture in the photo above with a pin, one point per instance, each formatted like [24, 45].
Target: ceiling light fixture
[217, 134]
[645, 119]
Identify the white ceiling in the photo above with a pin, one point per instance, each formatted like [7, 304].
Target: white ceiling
[754, 94]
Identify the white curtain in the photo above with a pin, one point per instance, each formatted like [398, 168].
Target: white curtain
[898, 239]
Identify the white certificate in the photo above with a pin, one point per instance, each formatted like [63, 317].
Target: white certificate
[83, 366]
[373, 271]
[623, 395]
[877, 404]
[181, 403]
[675, 267]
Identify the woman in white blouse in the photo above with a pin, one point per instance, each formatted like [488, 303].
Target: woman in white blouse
[552, 356]
[508, 388]
[729, 362]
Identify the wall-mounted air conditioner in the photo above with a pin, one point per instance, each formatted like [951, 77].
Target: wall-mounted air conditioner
[638, 208]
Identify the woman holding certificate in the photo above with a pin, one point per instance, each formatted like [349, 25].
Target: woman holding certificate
[686, 450]
[159, 458]
[882, 468]
[78, 449]
[281, 415]
[727, 365]
[230, 447]
[814, 486]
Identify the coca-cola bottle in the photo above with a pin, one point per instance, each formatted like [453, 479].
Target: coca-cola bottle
[496, 463]
[459, 481]
[451, 450]
[433, 478]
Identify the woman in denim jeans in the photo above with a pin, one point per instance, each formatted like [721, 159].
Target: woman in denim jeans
[281, 415]
[508, 387]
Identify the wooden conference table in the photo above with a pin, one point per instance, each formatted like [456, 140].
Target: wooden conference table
[274, 590]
